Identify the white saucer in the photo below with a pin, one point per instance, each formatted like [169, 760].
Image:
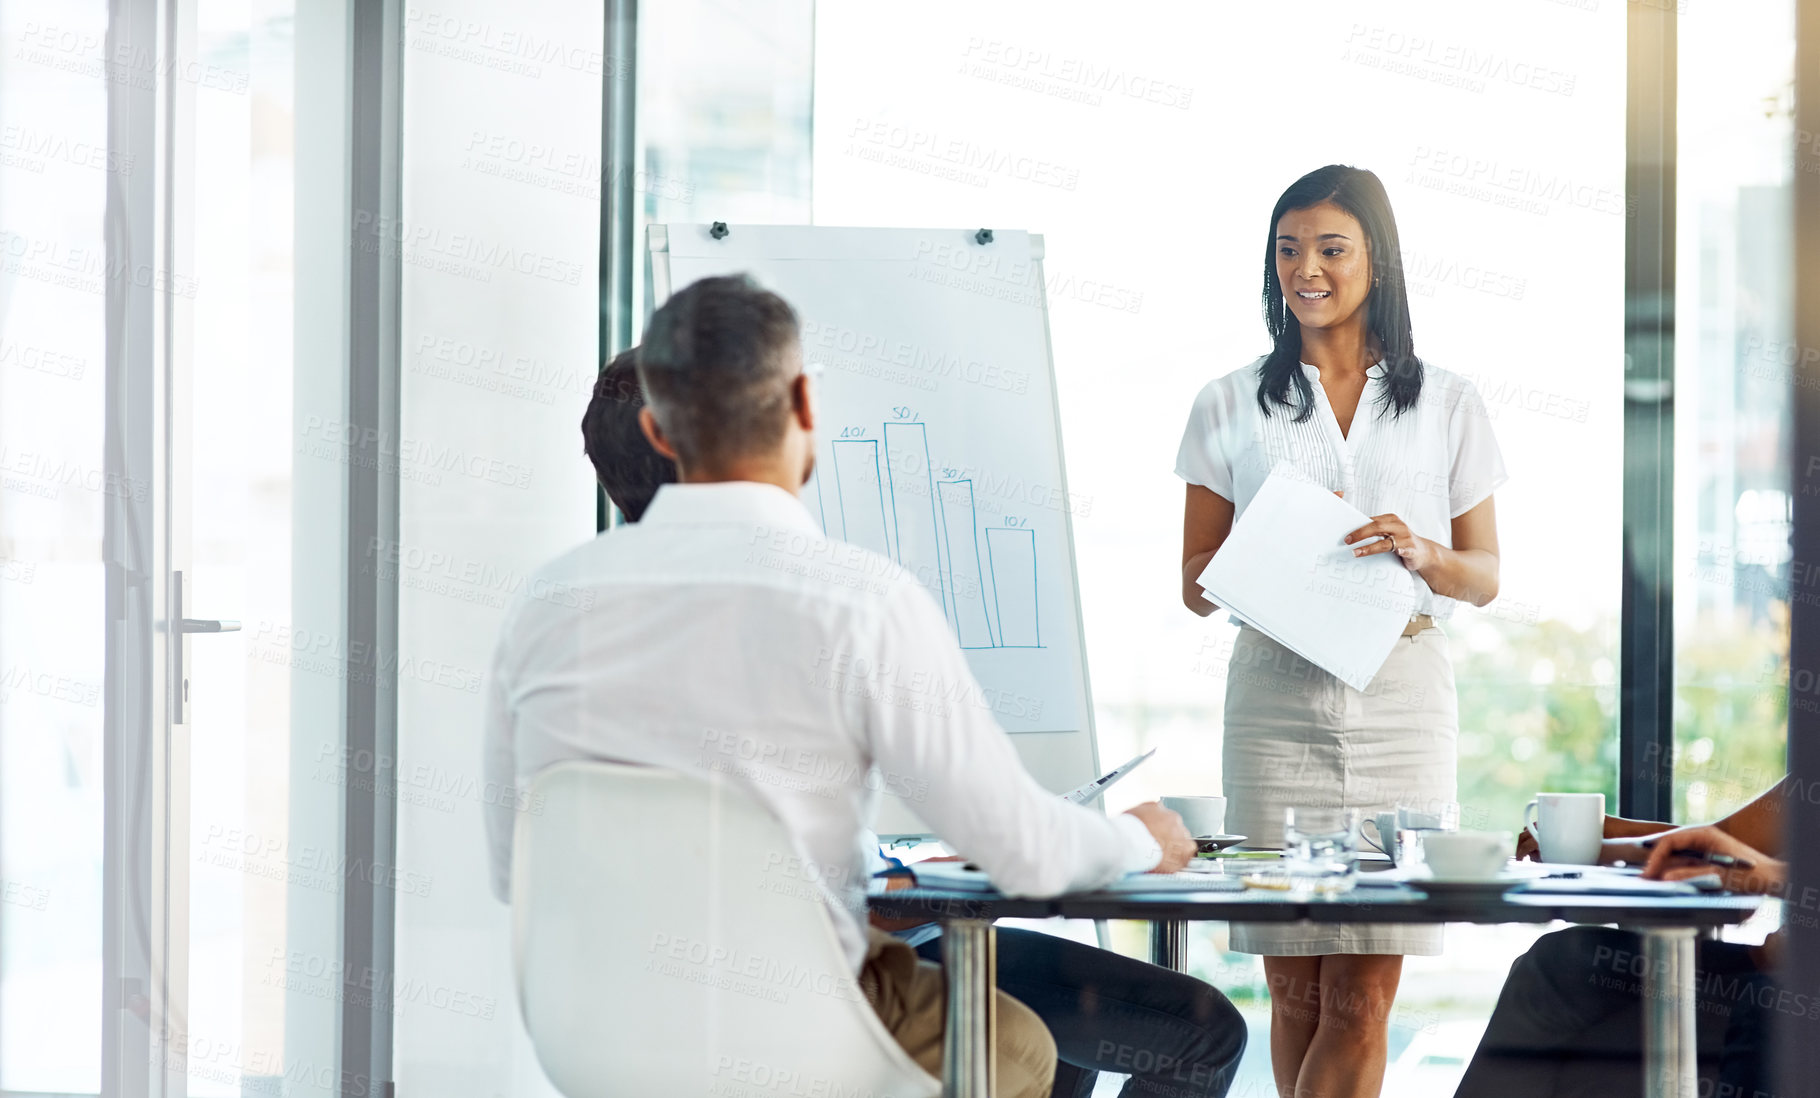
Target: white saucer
[1465, 887]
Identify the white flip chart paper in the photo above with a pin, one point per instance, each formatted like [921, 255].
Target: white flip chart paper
[1287, 571]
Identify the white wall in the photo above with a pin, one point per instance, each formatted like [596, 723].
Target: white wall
[500, 241]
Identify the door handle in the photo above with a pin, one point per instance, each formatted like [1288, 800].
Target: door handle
[180, 628]
[205, 625]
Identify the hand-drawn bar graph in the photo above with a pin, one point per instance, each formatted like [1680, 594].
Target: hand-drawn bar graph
[910, 485]
[1011, 558]
[887, 499]
[966, 572]
[860, 494]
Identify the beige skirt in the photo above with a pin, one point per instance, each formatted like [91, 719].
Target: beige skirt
[1297, 736]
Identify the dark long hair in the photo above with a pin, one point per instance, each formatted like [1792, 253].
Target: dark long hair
[1361, 194]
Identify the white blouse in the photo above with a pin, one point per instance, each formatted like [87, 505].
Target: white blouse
[1432, 464]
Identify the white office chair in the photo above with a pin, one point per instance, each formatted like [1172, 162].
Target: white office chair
[663, 946]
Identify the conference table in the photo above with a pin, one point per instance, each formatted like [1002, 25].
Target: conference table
[1668, 926]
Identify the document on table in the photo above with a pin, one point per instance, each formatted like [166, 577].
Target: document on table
[1560, 880]
[1287, 571]
[1612, 884]
[966, 877]
[1174, 882]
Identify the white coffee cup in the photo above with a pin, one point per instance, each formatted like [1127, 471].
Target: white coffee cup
[1568, 826]
[1466, 855]
[1204, 817]
[1384, 834]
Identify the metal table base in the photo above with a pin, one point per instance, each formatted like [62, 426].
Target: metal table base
[970, 960]
[1169, 944]
[1670, 1067]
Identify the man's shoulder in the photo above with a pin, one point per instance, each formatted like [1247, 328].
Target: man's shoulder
[825, 567]
[564, 583]
[798, 561]
[582, 562]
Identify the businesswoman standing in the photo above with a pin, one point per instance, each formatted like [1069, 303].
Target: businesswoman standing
[1343, 400]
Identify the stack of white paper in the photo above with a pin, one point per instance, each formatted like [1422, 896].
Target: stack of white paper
[1287, 571]
[1607, 884]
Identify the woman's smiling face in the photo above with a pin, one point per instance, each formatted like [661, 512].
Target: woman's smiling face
[1323, 265]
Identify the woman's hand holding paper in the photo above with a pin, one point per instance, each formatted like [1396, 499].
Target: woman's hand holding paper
[1394, 536]
[1468, 571]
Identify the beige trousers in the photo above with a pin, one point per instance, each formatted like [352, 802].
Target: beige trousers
[911, 999]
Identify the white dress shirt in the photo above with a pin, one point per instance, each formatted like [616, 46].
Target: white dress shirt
[1430, 465]
[725, 632]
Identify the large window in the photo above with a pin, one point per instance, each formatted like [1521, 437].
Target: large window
[1735, 365]
[724, 99]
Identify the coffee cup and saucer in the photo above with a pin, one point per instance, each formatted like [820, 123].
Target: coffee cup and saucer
[1205, 819]
[1466, 863]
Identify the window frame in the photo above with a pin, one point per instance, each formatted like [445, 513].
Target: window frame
[1646, 649]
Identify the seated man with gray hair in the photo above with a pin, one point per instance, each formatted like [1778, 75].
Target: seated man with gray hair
[1171, 1033]
[727, 608]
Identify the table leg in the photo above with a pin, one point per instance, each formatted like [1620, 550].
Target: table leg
[1670, 1069]
[970, 962]
[1169, 944]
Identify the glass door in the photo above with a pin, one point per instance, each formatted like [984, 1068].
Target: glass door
[176, 881]
[255, 504]
[232, 478]
[174, 875]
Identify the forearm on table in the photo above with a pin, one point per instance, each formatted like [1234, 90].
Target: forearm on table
[1620, 827]
[1469, 575]
[1760, 821]
[1623, 841]
[1755, 825]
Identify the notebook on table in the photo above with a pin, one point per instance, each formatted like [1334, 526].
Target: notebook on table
[965, 877]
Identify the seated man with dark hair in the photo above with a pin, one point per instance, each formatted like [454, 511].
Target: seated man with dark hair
[1174, 1034]
[629, 470]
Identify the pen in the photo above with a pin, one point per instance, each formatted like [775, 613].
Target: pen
[1726, 861]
